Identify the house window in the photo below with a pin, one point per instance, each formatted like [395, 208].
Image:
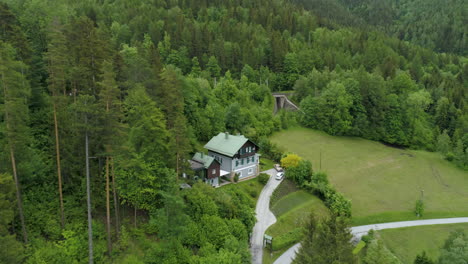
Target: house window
[253, 158]
[213, 171]
[250, 171]
[242, 161]
[237, 163]
[248, 160]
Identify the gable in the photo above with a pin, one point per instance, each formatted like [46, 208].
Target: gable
[226, 144]
[204, 159]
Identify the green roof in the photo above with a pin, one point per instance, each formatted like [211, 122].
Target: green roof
[226, 144]
[203, 158]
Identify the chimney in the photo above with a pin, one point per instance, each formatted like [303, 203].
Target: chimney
[226, 134]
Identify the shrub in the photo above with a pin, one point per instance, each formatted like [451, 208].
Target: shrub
[253, 193]
[419, 208]
[263, 178]
[359, 247]
[300, 174]
[236, 177]
[291, 160]
[450, 156]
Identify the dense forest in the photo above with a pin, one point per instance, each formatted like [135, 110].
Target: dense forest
[130, 89]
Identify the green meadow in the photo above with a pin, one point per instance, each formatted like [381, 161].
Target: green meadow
[382, 182]
[407, 243]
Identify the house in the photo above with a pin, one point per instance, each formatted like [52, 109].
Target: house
[235, 153]
[227, 155]
[206, 168]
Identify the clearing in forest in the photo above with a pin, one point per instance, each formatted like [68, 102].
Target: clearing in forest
[382, 182]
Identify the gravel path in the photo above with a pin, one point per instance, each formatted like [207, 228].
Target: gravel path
[359, 231]
[265, 217]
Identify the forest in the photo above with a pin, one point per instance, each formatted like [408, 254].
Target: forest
[130, 89]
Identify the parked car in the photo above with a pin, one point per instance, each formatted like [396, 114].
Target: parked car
[278, 167]
[279, 176]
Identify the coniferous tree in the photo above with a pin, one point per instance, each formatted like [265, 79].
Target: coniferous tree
[15, 91]
[326, 241]
[57, 65]
[111, 125]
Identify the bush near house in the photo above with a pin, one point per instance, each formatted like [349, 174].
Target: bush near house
[263, 178]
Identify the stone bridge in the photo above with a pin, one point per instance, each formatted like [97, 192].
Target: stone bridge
[282, 102]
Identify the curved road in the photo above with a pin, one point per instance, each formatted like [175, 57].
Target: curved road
[359, 231]
[265, 217]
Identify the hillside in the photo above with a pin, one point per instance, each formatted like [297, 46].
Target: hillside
[382, 182]
[102, 103]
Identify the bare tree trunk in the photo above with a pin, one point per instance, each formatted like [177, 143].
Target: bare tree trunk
[18, 195]
[88, 198]
[108, 222]
[15, 175]
[177, 165]
[59, 171]
[134, 217]
[116, 203]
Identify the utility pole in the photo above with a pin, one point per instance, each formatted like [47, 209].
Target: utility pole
[88, 195]
[320, 159]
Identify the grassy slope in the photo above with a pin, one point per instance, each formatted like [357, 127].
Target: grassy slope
[382, 182]
[291, 211]
[406, 243]
[251, 187]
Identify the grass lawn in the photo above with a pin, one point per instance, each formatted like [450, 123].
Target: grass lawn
[266, 164]
[382, 182]
[292, 211]
[406, 243]
[251, 187]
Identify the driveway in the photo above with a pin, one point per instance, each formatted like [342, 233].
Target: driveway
[359, 231]
[265, 217]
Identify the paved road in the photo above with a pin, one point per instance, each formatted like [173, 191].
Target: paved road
[265, 217]
[359, 231]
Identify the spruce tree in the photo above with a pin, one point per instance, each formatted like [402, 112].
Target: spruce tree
[15, 90]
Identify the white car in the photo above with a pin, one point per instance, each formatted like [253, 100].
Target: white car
[279, 176]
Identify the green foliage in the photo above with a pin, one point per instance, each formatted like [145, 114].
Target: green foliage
[11, 251]
[334, 200]
[155, 85]
[444, 144]
[300, 174]
[377, 253]
[290, 160]
[419, 208]
[326, 241]
[329, 111]
[454, 249]
[263, 178]
[236, 177]
[359, 247]
[423, 259]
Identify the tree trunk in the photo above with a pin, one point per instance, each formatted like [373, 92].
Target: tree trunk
[18, 195]
[177, 165]
[108, 222]
[59, 171]
[13, 165]
[116, 203]
[134, 218]
[88, 197]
